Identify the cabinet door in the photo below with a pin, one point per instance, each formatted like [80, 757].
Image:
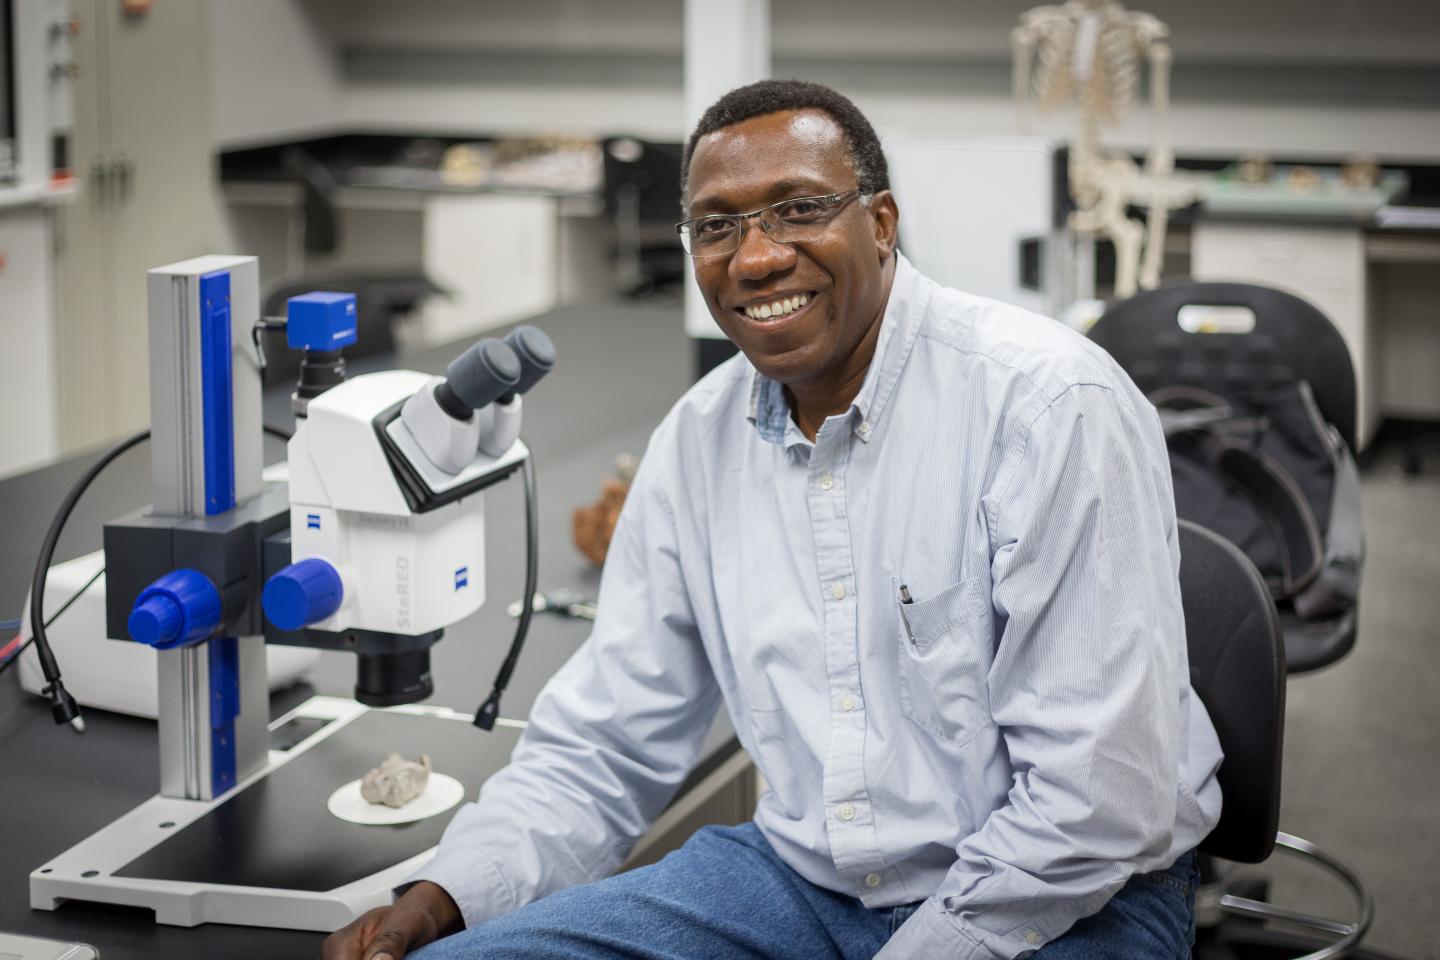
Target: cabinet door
[83, 268]
[157, 101]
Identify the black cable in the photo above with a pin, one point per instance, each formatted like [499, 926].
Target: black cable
[62, 705]
[53, 617]
[490, 710]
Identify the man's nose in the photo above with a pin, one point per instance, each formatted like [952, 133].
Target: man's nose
[758, 255]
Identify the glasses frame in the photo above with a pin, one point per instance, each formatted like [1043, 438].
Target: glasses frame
[830, 200]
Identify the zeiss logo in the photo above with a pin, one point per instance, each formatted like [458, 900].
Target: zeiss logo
[462, 577]
[312, 521]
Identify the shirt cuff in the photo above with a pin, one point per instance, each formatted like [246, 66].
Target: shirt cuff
[473, 881]
[932, 932]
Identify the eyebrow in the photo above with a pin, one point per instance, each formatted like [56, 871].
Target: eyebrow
[779, 190]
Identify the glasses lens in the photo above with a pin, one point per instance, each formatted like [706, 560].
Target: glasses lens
[802, 212]
[711, 236]
[804, 218]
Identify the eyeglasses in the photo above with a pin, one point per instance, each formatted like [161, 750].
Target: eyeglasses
[789, 221]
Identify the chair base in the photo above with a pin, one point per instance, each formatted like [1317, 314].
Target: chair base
[1231, 918]
[1240, 940]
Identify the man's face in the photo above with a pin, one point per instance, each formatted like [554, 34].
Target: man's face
[779, 156]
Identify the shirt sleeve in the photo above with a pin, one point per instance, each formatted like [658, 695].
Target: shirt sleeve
[1084, 566]
[610, 738]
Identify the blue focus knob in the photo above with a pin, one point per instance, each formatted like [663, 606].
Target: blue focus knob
[181, 608]
[303, 593]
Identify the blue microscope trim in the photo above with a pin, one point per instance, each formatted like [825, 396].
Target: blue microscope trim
[179, 609]
[224, 708]
[218, 402]
[320, 321]
[217, 393]
[303, 593]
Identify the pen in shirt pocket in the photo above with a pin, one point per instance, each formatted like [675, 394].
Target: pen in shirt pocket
[906, 600]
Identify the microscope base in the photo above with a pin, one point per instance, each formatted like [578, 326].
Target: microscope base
[269, 853]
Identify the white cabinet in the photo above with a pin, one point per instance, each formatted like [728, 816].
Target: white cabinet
[28, 433]
[1323, 264]
[142, 155]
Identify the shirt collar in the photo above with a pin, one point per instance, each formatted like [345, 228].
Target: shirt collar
[904, 312]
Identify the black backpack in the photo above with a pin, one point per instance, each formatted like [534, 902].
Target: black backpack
[1267, 472]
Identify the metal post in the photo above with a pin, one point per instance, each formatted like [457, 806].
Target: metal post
[206, 458]
[727, 45]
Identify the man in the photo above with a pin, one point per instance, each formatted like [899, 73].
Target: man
[922, 547]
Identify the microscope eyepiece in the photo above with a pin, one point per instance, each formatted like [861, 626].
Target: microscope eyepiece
[536, 353]
[479, 376]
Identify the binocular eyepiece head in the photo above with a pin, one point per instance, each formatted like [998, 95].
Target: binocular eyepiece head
[494, 370]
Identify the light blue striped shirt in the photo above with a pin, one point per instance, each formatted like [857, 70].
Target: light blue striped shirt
[1009, 747]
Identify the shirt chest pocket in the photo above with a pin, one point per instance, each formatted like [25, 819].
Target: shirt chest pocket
[944, 658]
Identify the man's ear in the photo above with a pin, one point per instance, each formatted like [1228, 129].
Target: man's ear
[885, 216]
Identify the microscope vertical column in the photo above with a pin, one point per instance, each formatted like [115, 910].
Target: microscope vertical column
[205, 408]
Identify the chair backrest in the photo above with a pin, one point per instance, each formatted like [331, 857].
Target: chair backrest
[649, 172]
[317, 190]
[1290, 340]
[1237, 667]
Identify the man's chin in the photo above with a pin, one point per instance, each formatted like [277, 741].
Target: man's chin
[787, 369]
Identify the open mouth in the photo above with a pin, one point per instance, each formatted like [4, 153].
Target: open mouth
[774, 311]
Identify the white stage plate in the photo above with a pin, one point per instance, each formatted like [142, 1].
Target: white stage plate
[441, 794]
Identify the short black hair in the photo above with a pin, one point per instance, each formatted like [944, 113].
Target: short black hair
[772, 96]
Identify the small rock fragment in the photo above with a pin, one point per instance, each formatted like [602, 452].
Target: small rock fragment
[396, 781]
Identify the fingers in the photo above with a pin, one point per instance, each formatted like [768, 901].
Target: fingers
[389, 944]
[405, 925]
[350, 941]
[425, 912]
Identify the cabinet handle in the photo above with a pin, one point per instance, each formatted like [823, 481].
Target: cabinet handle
[100, 178]
[123, 167]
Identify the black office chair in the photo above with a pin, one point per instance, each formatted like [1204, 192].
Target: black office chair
[1290, 340]
[642, 200]
[1237, 668]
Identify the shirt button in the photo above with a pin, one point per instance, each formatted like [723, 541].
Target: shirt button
[837, 590]
[826, 482]
[1032, 938]
[873, 880]
[847, 703]
[847, 812]
[865, 428]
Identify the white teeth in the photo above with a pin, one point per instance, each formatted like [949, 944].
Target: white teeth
[779, 308]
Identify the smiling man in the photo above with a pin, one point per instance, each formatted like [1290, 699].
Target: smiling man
[921, 547]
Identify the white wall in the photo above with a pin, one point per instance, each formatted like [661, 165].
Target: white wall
[279, 67]
[516, 110]
[275, 70]
[29, 431]
[1195, 128]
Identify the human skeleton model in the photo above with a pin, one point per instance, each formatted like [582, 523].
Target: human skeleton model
[1090, 53]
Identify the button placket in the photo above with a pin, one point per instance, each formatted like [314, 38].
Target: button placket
[851, 828]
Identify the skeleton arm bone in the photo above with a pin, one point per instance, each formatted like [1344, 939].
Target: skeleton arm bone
[1022, 50]
[1162, 156]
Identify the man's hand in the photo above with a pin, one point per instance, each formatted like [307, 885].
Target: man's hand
[423, 913]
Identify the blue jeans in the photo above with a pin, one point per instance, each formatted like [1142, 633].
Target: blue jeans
[727, 895]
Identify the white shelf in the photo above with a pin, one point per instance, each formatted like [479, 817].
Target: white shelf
[24, 196]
